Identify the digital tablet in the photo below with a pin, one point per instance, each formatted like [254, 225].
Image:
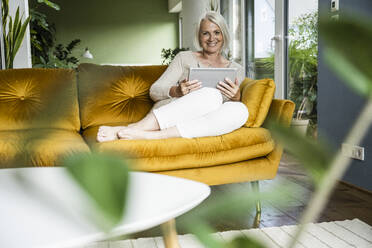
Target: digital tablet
[211, 76]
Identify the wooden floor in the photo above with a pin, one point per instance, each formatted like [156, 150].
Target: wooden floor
[347, 202]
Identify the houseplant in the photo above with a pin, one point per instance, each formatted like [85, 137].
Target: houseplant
[42, 31]
[45, 52]
[13, 32]
[60, 57]
[167, 55]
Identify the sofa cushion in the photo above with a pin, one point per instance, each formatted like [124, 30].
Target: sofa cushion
[38, 147]
[115, 94]
[38, 98]
[257, 96]
[182, 153]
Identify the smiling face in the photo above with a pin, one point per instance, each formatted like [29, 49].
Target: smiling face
[210, 37]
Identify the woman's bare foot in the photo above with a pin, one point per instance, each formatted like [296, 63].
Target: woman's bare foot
[108, 133]
[133, 133]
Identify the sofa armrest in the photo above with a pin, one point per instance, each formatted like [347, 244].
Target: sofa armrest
[281, 111]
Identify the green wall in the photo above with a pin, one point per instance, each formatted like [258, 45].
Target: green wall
[116, 31]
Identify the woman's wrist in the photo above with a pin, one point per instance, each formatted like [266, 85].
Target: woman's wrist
[175, 91]
[237, 96]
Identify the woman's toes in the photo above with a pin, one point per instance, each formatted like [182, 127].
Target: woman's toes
[121, 133]
[101, 131]
[126, 137]
[107, 133]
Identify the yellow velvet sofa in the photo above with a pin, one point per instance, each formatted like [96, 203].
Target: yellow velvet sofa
[82, 100]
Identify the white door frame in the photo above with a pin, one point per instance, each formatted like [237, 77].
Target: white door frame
[280, 49]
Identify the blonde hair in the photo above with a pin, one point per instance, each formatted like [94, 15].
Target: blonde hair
[217, 19]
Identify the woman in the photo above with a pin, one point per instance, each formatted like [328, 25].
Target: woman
[184, 108]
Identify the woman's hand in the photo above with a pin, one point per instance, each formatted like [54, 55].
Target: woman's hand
[230, 89]
[184, 88]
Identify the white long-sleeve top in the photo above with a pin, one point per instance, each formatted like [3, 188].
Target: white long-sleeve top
[177, 71]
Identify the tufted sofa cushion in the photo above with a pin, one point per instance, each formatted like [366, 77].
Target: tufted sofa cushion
[182, 153]
[38, 147]
[257, 96]
[38, 98]
[112, 95]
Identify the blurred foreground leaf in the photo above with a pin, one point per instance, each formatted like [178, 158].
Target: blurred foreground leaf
[230, 204]
[203, 232]
[105, 179]
[349, 51]
[244, 242]
[233, 204]
[313, 155]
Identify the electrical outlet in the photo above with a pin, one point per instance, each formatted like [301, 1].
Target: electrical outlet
[334, 5]
[353, 151]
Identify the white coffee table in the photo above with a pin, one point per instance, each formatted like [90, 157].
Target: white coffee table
[34, 220]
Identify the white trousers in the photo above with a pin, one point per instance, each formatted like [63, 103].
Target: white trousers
[202, 113]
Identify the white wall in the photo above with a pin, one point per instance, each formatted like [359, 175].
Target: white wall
[23, 57]
[174, 6]
[300, 7]
[190, 14]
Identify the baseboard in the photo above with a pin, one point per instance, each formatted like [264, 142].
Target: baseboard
[356, 187]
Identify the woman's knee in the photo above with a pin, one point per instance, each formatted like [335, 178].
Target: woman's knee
[210, 95]
[206, 98]
[236, 111]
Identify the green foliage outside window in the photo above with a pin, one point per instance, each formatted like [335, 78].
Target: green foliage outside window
[303, 66]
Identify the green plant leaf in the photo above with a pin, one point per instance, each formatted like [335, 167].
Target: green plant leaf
[14, 34]
[105, 179]
[16, 22]
[203, 232]
[236, 202]
[5, 9]
[353, 76]
[315, 156]
[349, 51]
[50, 4]
[244, 242]
[20, 36]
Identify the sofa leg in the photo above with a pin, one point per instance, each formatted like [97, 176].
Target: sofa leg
[170, 234]
[256, 188]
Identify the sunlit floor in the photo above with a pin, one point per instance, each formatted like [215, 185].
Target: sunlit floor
[347, 202]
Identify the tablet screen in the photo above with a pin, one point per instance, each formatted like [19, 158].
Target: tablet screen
[211, 76]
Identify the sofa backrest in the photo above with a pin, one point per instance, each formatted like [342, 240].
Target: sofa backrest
[115, 95]
[38, 98]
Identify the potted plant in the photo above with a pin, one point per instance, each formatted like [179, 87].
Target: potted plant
[45, 52]
[167, 55]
